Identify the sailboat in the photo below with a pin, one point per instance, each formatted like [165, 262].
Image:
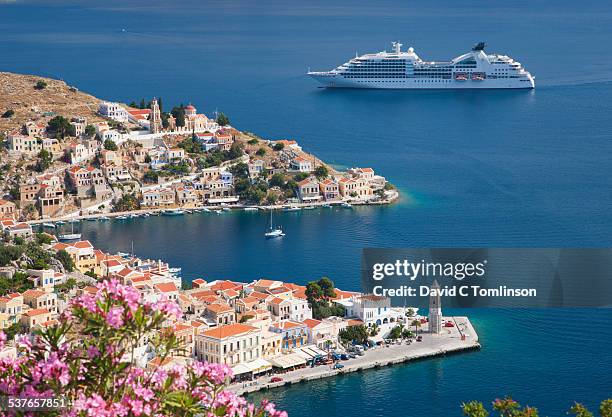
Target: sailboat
[274, 232]
[71, 235]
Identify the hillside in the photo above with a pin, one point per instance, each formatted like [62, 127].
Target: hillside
[18, 93]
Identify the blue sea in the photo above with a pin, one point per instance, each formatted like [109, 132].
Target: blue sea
[483, 168]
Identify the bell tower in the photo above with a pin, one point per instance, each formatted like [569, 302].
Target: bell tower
[435, 309]
[155, 119]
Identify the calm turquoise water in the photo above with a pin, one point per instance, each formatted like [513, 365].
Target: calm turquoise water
[505, 168]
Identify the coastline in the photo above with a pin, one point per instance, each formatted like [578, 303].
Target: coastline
[433, 346]
[394, 197]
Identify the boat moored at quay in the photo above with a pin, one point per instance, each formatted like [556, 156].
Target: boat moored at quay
[406, 70]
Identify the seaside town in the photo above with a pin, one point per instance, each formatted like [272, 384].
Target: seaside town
[268, 331]
[68, 156]
[110, 158]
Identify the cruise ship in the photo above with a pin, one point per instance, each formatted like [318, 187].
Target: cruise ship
[404, 69]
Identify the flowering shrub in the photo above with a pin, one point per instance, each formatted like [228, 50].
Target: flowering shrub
[88, 359]
[507, 407]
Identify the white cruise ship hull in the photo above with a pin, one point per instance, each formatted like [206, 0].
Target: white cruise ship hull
[337, 81]
[406, 70]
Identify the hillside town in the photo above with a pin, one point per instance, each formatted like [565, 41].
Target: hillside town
[256, 327]
[140, 157]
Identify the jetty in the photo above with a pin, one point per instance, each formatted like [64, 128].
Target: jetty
[460, 338]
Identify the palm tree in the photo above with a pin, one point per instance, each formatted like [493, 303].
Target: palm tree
[416, 324]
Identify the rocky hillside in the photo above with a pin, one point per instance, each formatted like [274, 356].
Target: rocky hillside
[19, 93]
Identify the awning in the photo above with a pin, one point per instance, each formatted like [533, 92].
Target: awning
[257, 366]
[241, 368]
[309, 352]
[287, 361]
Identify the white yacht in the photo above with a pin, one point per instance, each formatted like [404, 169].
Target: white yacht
[274, 231]
[71, 235]
[406, 70]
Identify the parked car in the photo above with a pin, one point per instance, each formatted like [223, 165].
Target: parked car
[344, 357]
[276, 379]
[338, 366]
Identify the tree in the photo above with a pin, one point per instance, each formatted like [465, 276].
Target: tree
[19, 283]
[253, 141]
[236, 151]
[222, 119]
[45, 159]
[9, 253]
[80, 359]
[354, 334]
[110, 145]
[319, 295]
[65, 259]
[151, 176]
[277, 180]
[327, 286]
[321, 172]
[260, 152]
[40, 85]
[127, 202]
[8, 113]
[60, 127]
[191, 145]
[43, 239]
[300, 176]
[90, 131]
[179, 114]
[278, 147]
[416, 324]
[240, 170]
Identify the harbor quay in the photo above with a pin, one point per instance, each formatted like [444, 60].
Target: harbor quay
[393, 196]
[462, 337]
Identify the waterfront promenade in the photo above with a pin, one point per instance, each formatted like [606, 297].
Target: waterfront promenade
[432, 345]
[153, 210]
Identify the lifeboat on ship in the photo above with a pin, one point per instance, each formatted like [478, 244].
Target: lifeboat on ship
[461, 76]
[479, 76]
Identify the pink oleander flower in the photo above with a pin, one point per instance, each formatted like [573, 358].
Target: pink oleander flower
[92, 352]
[86, 359]
[114, 317]
[167, 307]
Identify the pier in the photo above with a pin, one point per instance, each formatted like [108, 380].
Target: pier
[460, 338]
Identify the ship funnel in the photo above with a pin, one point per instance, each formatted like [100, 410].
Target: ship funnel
[480, 46]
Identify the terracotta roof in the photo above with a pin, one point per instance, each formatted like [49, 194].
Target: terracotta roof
[219, 308]
[224, 285]
[306, 181]
[229, 330]
[166, 287]
[276, 301]
[37, 312]
[288, 324]
[259, 295]
[264, 283]
[312, 323]
[33, 293]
